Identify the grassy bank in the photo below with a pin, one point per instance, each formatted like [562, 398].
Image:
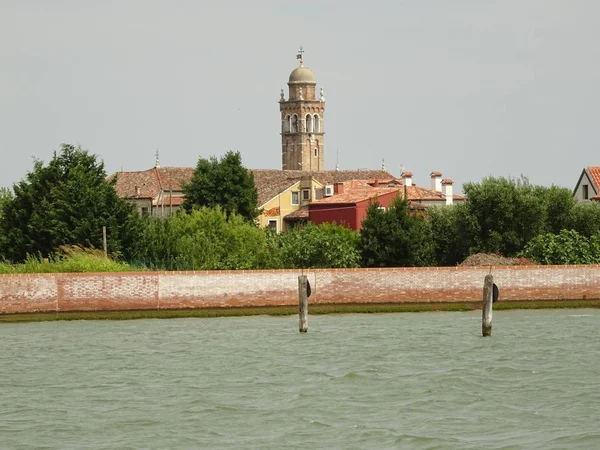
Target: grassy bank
[72, 260]
[292, 310]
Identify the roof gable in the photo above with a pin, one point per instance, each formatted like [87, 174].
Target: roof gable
[592, 175]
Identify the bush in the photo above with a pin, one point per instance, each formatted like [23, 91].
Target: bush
[566, 247]
[319, 246]
[205, 239]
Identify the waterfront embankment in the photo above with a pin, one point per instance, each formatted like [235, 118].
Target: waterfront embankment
[441, 288]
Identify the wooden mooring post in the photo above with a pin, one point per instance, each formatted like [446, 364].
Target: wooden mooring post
[104, 242]
[488, 292]
[303, 302]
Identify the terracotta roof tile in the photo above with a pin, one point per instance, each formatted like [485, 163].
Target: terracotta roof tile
[269, 182]
[141, 184]
[418, 193]
[354, 193]
[300, 213]
[594, 174]
[436, 174]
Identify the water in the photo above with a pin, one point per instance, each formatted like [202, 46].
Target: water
[416, 381]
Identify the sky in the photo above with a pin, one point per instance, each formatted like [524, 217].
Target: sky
[470, 88]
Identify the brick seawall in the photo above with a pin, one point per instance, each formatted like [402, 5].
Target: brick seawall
[175, 290]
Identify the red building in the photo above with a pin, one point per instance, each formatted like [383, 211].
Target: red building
[349, 203]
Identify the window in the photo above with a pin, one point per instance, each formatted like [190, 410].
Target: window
[316, 152]
[273, 224]
[295, 197]
[294, 124]
[305, 194]
[318, 194]
[144, 211]
[585, 192]
[309, 124]
[382, 208]
[316, 124]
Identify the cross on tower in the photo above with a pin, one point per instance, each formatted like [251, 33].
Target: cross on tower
[300, 54]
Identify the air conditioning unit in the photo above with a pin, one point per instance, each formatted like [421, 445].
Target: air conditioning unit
[328, 190]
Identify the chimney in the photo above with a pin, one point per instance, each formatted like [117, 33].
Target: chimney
[407, 178]
[338, 188]
[447, 190]
[137, 191]
[436, 181]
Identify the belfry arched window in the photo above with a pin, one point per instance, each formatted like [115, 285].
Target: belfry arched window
[317, 124]
[286, 124]
[294, 124]
[309, 123]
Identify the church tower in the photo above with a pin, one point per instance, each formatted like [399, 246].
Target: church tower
[302, 122]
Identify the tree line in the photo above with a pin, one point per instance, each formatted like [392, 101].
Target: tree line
[67, 202]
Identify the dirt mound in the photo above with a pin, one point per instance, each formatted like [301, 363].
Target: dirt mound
[491, 259]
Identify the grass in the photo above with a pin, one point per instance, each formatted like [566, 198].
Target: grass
[373, 308]
[72, 259]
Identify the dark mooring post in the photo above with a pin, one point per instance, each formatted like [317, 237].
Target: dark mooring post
[486, 319]
[303, 302]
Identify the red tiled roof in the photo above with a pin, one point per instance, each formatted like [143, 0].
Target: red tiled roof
[594, 174]
[299, 214]
[418, 193]
[447, 181]
[354, 193]
[269, 182]
[436, 174]
[149, 183]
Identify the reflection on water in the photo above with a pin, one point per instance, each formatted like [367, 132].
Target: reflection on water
[422, 381]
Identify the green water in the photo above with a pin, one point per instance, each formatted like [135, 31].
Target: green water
[411, 381]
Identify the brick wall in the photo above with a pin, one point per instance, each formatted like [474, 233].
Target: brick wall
[172, 290]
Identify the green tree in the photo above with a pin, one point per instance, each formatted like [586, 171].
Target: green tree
[395, 238]
[509, 212]
[204, 239]
[223, 182]
[585, 219]
[559, 205]
[319, 246]
[454, 231]
[66, 202]
[5, 198]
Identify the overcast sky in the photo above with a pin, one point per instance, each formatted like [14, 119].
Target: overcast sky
[467, 87]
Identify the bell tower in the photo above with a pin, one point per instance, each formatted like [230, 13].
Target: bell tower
[302, 129]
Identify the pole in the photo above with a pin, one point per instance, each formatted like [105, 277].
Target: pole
[104, 242]
[486, 319]
[303, 302]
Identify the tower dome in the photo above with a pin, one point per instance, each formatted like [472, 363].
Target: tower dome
[302, 75]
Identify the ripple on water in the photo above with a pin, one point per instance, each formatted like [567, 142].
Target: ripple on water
[419, 381]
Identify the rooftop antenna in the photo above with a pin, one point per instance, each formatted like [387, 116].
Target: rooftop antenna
[157, 163]
[402, 169]
[382, 164]
[337, 160]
